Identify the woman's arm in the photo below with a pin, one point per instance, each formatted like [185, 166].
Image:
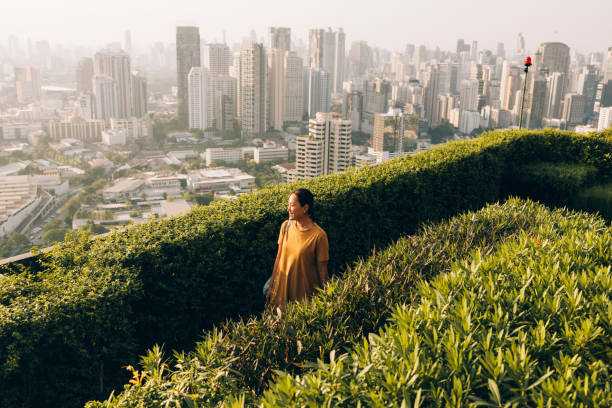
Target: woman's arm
[322, 269]
[273, 276]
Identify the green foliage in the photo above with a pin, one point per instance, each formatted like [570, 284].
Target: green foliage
[199, 198]
[54, 235]
[360, 138]
[191, 272]
[442, 133]
[54, 224]
[595, 199]
[91, 228]
[13, 245]
[554, 183]
[527, 326]
[71, 207]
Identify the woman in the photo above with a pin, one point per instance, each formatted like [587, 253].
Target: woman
[303, 252]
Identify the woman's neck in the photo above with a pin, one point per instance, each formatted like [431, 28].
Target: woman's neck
[304, 223]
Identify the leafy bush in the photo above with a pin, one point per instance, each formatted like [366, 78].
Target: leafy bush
[527, 326]
[197, 270]
[243, 355]
[595, 199]
[554, 183]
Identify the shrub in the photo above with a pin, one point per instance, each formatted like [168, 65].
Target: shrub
[209, 265]
[595, 199]
[527, 326]
[247, 353]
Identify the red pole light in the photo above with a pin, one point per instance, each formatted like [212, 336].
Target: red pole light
[528, 61]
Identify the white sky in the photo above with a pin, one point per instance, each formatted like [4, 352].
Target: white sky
[585, 26]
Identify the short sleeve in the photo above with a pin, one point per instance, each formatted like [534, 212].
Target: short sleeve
[282, 232]
[322, 248]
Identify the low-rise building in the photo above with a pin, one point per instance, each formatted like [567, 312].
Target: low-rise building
[113, 137]
[220, 179]
[270, 151]
[225, 154]
[124, 189]
[76, 128]
[134, 128]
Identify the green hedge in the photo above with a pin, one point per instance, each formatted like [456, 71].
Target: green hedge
[597, 198]
[193, 271]
[527, 326]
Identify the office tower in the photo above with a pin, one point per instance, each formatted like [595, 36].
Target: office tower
[480, 77]
[316, 41]
[409, 52]
[501, 50]
[573, 109]
[352, 108]
[27, 84]
[317, 84]
[276, 88]
[217, 58]
[222, 97]
[552, 57]
[607, 68]
[293, 67]
[536, 102]
[106, 97]
[554, 95]
[392, 131]
[84, 75]
[520, 45]
[462, 46]
[511, 85]
[85, 106]
[376, 95]
[187, 57]
[198, 97]
[469, 95]
[326, 149]
[474, 51]
[420, 56]
[252, 90]
[139, 94]
[430, 95]
[587, 86]
[360, 58]
[605, 119]
[116, 65]
[280, 37]
[339, 60]
[127, 45]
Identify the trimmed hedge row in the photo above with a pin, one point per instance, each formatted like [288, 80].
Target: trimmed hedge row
[527, 326]
[191, 272]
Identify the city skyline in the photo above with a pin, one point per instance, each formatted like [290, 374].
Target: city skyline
[389, 26]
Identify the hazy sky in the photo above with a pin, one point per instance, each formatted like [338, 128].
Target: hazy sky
[584, 25]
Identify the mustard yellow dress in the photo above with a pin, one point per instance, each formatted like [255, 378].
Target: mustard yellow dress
[297, 276]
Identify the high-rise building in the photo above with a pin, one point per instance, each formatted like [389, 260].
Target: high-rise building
[252, 90]
[326, 149]
[27, 84]
[116, 65]
[352, 108]
[293, 67]
[469, 95]
[392, 131]
[187, 57]
[573, 109]
[360, 58]
[520, 45]
[222, 97]
[605, 119]
[316, 93]
[554, 95]
[552, 57]
[106, 98]
[511, 85]
[139, 94]
[276, 88]
[84, 75]
[536, 102]
[607, 69]
[198, 97]
[127, 45]
[430, 95]
[501, 51]
[326, 51]
[280, 37]
[587, 86]
[217, 58]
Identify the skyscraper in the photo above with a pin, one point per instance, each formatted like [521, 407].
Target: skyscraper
[187, 57]
[607, 70]
[223, 101]
[217, 58]
[116, 65]
[339, 59]
[392, 131]
[139, 94]
[520, 44]
[326, 149]
[27, 84]
[554, 95]
[293, 67]
[573, 109]
[276, 87]
[199, 102]
[536, 101]
[316, 91]
[430, 95]
[280, 37]
[106, 97]
[84, 75]
[252, 90]
[326, 51]
[552, 57]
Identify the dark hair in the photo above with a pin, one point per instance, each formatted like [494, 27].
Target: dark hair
[304, 196]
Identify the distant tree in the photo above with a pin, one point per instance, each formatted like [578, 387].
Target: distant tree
[54, 235]
[93, 229]
[71, 207]
[441, 133]
[54, 224]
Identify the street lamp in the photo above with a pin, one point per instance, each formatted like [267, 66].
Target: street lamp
[527, 65]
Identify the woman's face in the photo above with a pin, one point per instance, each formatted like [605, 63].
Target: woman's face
[295, 209]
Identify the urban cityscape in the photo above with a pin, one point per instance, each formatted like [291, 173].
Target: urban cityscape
[93, 139]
